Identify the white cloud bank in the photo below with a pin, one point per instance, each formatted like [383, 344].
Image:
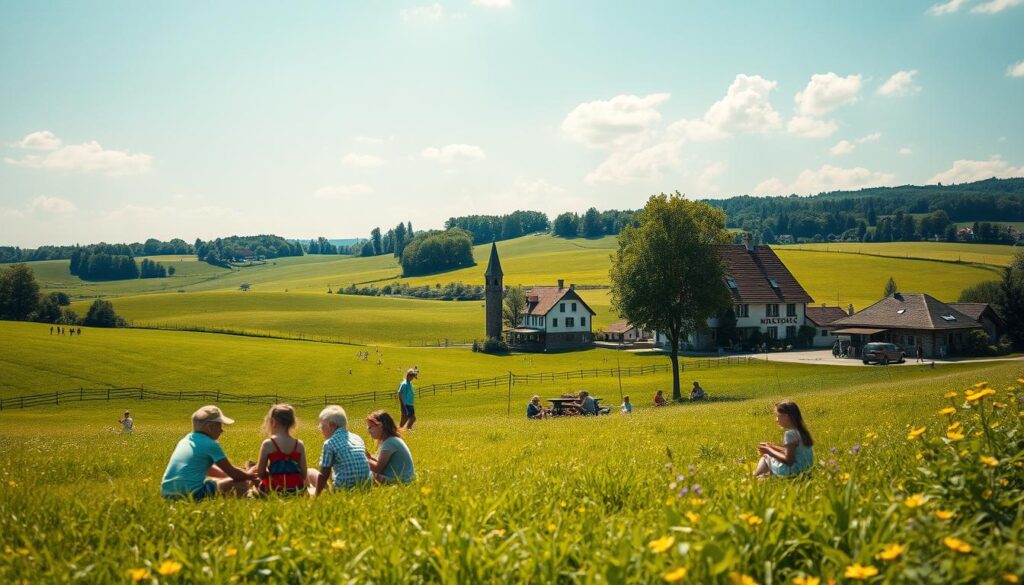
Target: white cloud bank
[623, 121]
[848, 146]
[454, 153]
[967, 171]
[744, 109]
[996, 6]
[1015, 70]
[946, 7]
[827, 178]
[429, 13]
[824, 93]
[56, 205]
[366, 161]
[89, 157]
[901, 83]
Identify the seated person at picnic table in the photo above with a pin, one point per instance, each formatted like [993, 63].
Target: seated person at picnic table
[627, 406]
[534, 409]
[659, 399]
[393, 461]
[697, 393]
[587, 404]
[198, 467]
[344, 454]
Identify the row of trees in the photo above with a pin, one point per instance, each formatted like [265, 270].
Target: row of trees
[1006, 296]
[592, 224]
[221, 251]
[489, 228]
[151, 247]
[453, 291]
[20, 300]
[436, 251]
[88, 264]
[393, 242]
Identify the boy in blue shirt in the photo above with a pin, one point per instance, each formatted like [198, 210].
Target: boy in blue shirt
[198, 467]
[405, 397]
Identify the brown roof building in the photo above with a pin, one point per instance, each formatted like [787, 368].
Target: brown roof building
[556, 317]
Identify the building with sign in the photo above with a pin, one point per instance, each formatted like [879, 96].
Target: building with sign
[556, 318]
[766, 298]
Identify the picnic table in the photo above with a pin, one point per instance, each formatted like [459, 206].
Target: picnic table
[558, 404]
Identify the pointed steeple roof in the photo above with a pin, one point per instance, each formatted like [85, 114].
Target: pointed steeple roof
[494, 265]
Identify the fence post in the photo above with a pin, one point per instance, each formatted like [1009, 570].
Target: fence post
[108, 394]
[81, 393]
[56, 398]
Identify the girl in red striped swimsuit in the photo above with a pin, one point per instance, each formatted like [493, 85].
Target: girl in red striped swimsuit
[282, 462]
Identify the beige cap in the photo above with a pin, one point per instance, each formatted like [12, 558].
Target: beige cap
[211, 414]
[412, 372]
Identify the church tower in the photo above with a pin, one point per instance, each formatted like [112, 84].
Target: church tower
[493, 293]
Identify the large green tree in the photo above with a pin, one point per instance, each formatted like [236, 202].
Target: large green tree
[666, 274]
[19, 292]
[514, 307]
[1012, 286]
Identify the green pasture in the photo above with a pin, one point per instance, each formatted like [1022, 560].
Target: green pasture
[990, 254]
[639, 498]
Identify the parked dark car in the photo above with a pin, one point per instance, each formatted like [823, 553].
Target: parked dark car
[882, 353]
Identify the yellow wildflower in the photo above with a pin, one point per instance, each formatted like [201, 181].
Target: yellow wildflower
[696, 502]
[914, 501]
[871, 435]
[954, 543]
[980, 394]
[694, 518]
[951, 394]
[137, 575]
[230, 552]
[425, 490]
[999, 404]
[552, 527]
[954, 435]
[947, 410]
[944, 514]
[168, 568]
[806, 580]
[891, 551]
[673, 576]
[741, 579]
[914, 433]
[860, 572]
[751, 519]
[957, 426]
[1020, 380]
[1011, 578]
[990, 461]
[662, 544]
[338, 545]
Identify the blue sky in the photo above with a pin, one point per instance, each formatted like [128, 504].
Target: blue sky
[127, 120]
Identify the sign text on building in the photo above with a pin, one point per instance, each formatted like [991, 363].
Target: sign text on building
[778, 321]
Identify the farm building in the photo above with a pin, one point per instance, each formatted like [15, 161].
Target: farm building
[555, 318]
[623, 331]
[821, 318]
[986, 316]
[910, 320]
[766, 298]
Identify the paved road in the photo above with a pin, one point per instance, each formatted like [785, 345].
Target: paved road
[824, 357]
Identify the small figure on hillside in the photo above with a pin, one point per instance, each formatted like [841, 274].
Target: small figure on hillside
[796, 454]
[627, 406]
[697, 393]
[659, 399]
[393, 461]
[127, 423]
[51, 329]
[282, 460]
[198, 467]
[920, 353]
[79, 331]
[534, 410]
[344, 454]
[405, 399]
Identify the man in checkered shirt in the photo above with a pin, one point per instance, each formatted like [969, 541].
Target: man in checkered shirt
[344, 454]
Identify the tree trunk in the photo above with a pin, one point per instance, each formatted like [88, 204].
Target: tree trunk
[674, 356]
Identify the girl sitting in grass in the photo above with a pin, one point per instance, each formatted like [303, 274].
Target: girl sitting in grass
[282, 462]
[796, 454]
[393, 461]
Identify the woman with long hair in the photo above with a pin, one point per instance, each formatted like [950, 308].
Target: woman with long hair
[393, 461]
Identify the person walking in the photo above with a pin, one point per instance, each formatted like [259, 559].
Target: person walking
[920, 353]
[405, 399]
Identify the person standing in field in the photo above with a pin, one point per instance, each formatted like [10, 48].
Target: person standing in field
[405, 399]
[920, 352]
[127, 424]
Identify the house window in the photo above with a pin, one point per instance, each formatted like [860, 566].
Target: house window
[554, 322]
[772, 282]
[742, 310]
[574, 307]
[583, 321]
[773, 332]
[730, 282]
[771, 311]
[790, 331]
[791, 310]
[561, 307]
[570, 322]
[542, 321]
[824, 332]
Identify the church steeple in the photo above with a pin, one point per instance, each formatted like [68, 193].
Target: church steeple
[494, 265]
[494, 293]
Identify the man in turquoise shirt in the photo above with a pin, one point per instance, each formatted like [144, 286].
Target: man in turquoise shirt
[405, 396]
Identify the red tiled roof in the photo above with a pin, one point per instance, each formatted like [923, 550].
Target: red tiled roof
[619, 327]
[909, 311]
[751, 272]
[541, 299]
[822, 316]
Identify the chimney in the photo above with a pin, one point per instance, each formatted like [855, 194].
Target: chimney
[561, 284]
[849, 310]
[746, 242]
[572, 286]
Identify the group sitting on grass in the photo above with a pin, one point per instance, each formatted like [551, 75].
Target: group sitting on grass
[199, 469]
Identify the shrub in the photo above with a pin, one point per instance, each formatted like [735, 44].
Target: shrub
[101, 314]
[494, 345]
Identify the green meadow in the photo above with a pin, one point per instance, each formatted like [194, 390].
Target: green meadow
[899, 491]
[990, 254]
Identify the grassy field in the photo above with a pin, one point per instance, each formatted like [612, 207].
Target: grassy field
[661, 495]
[972, 253]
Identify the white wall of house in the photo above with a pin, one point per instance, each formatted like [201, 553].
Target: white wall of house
[581, 318]
[785, 318]
[823, 337]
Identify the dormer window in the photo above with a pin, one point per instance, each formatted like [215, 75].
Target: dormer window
[773, 283]
[730, 283]
[948, 317]
[901, 311]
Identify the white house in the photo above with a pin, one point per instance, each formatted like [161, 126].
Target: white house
[821, 318]
[766, 297]
[555, 318]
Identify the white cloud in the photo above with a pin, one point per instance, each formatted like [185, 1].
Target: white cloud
[827, 178]
[354, 159]
[1015, 70]
[454, 153]
[88, 158]
[745, 108]
[901, 83]
[906, 151]
[624, 120]
[966, 171]
[54, 205]
[947, 7]
[493, 3]
[826, 92]
[809, 127]
[706, 181]
[42, 140]
[995, 6]
[842, 147]
[627, 166]
[342, 191]
[429, 13]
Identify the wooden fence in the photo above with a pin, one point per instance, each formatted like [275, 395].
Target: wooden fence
[217, 397]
